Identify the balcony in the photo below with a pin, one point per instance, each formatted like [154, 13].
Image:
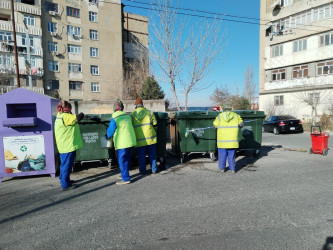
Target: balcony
[20, 28]
[21, 7]
[75, 93]
[5, 89]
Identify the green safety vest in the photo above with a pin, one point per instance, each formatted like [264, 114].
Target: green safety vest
[227, 129]
[124, 136]
[68, 138]
[143, 122]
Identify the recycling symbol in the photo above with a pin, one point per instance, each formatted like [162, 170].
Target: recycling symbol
[23, 148]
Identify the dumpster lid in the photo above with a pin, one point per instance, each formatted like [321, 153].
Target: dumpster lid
[161, 115]
[195, 114]
[250, 113]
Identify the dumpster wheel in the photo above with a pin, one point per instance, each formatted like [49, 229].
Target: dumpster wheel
[310, 151]
[325, 151]
[182, 158]
[212, 157]
[162, 162]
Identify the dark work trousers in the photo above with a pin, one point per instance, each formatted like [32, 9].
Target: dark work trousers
[66, 165]
[142, 158]
[225, 153]
[124, 158]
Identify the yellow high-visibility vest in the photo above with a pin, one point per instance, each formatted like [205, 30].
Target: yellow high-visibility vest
[143, 122]
[227, 129]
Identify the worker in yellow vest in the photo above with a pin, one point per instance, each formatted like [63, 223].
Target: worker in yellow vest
[145, 126]
[122, 130]
[227, 124]
[68, 139]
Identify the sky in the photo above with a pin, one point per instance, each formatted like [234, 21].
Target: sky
[242, 49]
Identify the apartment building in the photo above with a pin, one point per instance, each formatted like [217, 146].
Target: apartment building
[296, 57]
[136, 61]
[83, 56]
[27, 16]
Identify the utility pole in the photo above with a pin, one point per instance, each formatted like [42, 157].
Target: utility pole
[28, 63]
[15, 47]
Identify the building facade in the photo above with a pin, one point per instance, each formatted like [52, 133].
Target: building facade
[83, 57]
[25, 12]
[296, 58]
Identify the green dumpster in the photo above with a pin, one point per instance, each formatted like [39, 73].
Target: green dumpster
[250, 136]
[93, 128]
[201, 141]
[162, 122]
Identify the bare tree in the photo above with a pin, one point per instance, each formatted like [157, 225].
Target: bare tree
[312, 97]
[185, 51]
[270, 108]
[222, 97]
[249, 84]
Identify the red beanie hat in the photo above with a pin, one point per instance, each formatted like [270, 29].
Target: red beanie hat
[138, 101]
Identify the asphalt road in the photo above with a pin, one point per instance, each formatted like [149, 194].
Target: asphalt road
[280, 200]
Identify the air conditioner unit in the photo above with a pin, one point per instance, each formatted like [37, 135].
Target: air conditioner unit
[52, 13]
[54, 33]
[55, 53]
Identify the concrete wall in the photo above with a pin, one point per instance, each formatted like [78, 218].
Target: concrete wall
[106, 107]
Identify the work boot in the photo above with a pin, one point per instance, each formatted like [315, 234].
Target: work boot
[123, 182]
[69, 188]
[223, 170]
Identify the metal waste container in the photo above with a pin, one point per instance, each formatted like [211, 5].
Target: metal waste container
[162, 122]
[201, 141]
[93, 129]
[250, 136]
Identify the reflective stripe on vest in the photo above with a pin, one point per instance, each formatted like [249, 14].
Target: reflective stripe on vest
[141, 125]
[147, 138]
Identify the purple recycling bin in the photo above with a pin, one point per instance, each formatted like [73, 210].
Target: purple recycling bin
[26, 134]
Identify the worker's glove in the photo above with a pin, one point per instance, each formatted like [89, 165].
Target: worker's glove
[79, 116]
[106, 137]
[241, 125]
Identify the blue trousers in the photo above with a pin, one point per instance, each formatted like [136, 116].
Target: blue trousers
[142, 158]
[124, 159]
[66, 165]
[223, 154]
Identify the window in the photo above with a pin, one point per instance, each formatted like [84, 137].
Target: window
[93, 2]
[93, 16]
[95, 87]
[325, 68]
[29, 20]
[326, 39]
[5, 36]
[278, 75]
[53, 66]
[75, 49]
[24, 40]
[313, 98]
[277, 50]
[53, 46]
[300, 45]
[51, 27]
[93, 34]
[300, 71]
[33, 81]
[303, 18]
[278, 100]
[73, 12]
[73, 30]
[5, 60]
[33, 63]
[74, 67]
[51, 7]
[286, 2]
[94, 70]
[75, 85]
[93, 52]
[54, 84]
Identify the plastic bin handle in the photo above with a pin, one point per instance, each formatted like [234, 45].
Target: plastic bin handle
[315, 127]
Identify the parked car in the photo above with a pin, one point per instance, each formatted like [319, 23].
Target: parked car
[282, 124]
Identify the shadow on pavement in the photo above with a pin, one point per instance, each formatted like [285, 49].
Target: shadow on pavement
[248, 161]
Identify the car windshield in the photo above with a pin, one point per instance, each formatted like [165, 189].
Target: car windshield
[286, 117]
